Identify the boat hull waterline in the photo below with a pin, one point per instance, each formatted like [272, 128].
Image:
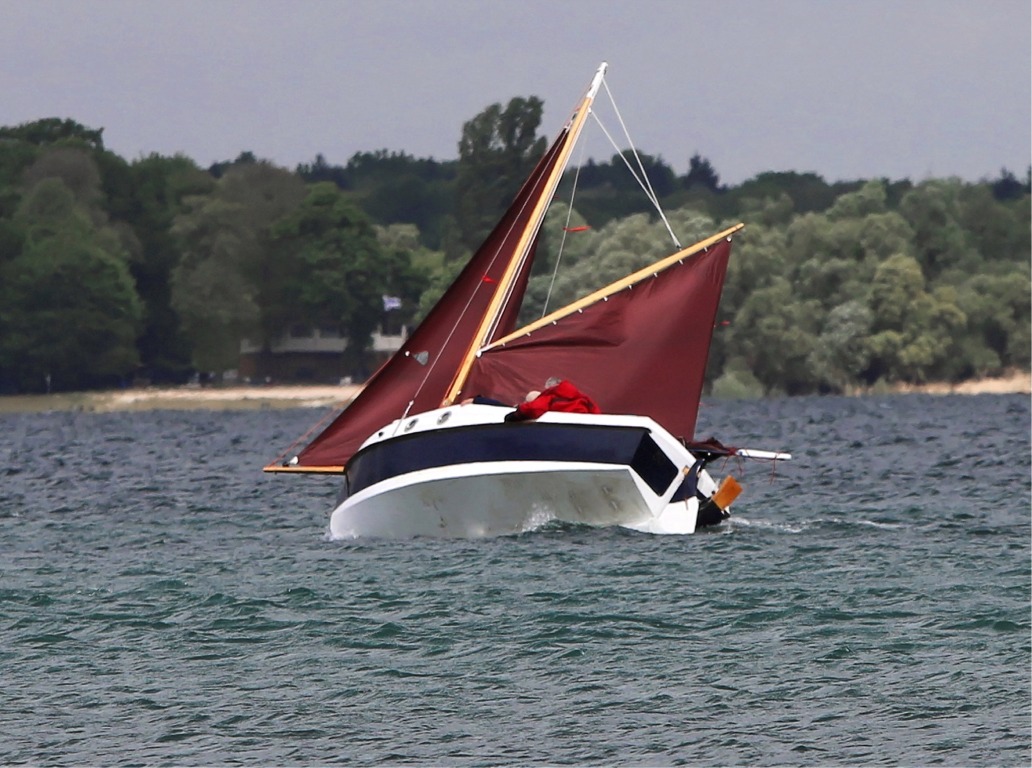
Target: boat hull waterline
[462, 471]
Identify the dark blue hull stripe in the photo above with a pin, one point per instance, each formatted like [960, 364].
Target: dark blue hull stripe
[535, 441]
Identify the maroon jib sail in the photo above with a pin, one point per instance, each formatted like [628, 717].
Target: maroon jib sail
[481, 305]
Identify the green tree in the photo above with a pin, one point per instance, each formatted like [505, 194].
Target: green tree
[996, 228]
[999, 322]
[760, 254]
[930, 338]
[394, 188]
[701, 174]
[832, 257]
[769, 211]
[498, 149]
[1007, 187]
[333, 271]
[160, 186]
[775, 333]
[808, 191]
[411, 265]
[940, 242]
[69, 313]
[758, 258]
[74, 167]
[914, 331]
[842, 352]
[897, 284]
[870, 198]
[54, 130]
[219, 310]
[610, 191]
[227, 257]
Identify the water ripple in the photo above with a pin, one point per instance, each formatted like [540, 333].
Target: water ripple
[163, 602]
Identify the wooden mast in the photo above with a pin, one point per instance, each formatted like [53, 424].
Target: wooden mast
[526, 240]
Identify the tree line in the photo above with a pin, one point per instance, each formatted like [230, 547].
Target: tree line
[154, 269]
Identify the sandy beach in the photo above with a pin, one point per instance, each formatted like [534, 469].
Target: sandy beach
[1016, 383]
[184, 399]
[246, 397]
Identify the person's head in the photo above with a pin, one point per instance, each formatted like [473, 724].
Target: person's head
[552, 381]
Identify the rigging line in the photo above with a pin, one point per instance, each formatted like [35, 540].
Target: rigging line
[566, 229]
[637, 157]
[465, 309]
[454, 327]
[331, 413]
[650, 191]
[649, 194]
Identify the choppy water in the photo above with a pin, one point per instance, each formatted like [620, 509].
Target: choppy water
[163, 602]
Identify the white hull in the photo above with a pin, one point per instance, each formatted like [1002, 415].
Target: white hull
[490, 498]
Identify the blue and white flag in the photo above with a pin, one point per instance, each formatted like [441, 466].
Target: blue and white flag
[391, 302]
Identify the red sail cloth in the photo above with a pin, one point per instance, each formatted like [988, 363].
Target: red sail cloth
[643, 351]
[445, 335]
[564, 397]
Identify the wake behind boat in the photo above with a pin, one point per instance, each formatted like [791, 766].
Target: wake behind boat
[419, 459]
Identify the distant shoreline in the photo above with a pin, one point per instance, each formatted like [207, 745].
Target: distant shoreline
[187, 398]
[229, 398]
[1015, 383]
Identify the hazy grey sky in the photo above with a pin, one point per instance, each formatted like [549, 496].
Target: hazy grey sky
[846, 88]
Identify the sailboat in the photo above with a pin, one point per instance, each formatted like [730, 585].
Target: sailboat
[425, 449]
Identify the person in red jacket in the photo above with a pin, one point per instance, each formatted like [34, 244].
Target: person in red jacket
[558, 395]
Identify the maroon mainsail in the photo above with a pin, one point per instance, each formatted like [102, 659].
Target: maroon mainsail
[641, 350]
[422, 371]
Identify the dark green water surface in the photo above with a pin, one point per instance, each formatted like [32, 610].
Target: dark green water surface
[162, 602]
